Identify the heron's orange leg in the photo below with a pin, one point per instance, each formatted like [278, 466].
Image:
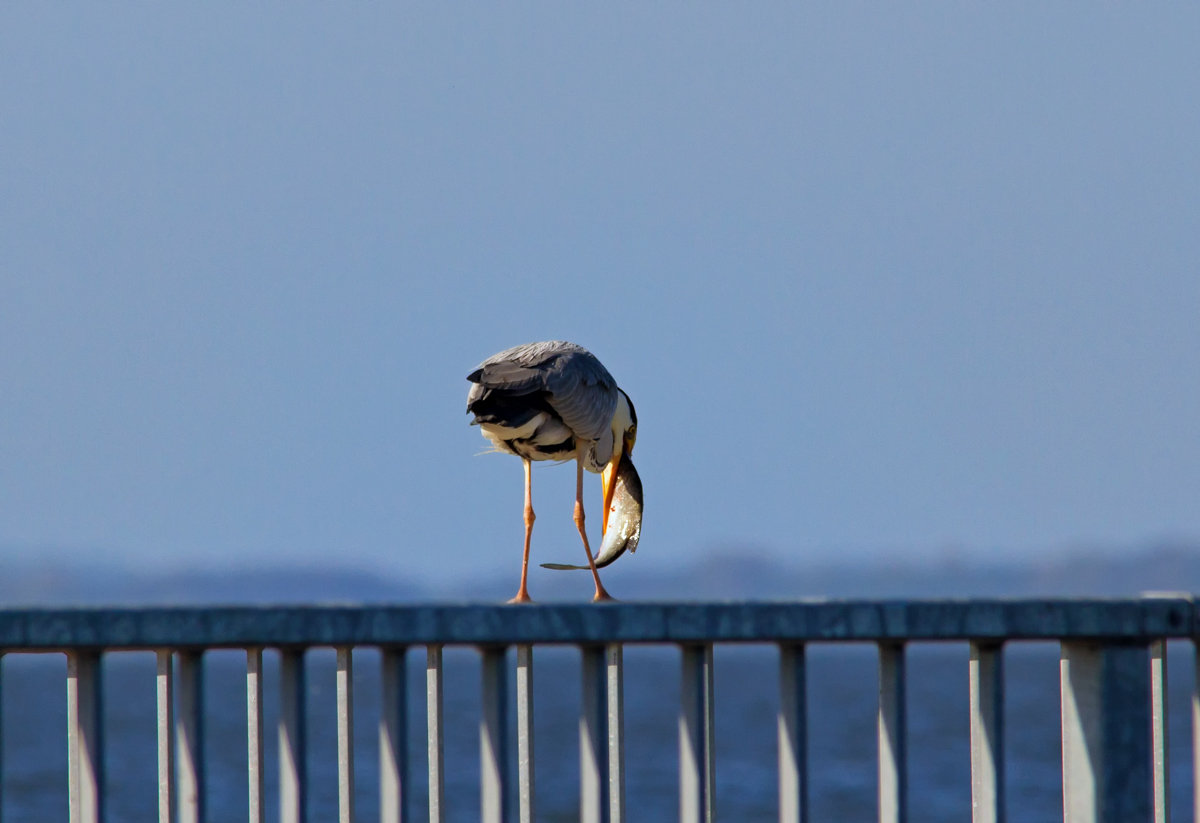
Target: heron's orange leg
[523, 592]
[601, 594]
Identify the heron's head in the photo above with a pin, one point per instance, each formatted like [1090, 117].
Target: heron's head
[624, 429]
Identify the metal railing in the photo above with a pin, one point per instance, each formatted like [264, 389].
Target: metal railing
[1113, 681]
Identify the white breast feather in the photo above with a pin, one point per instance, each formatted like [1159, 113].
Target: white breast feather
[551, 433]
[498, 434]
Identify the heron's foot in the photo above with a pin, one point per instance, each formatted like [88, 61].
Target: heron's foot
[522, 597]
[603, 596]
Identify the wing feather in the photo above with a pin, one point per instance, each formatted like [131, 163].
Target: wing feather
[584, 395]
[577, 386]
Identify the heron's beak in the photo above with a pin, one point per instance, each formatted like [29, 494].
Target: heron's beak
[608, 482]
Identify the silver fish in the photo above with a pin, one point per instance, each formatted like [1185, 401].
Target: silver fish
[624, 519]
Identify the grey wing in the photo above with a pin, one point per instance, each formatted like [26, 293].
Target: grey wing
[577, 386]
[517, 371]
[583, 393]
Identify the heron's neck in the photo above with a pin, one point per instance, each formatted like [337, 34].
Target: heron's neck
[622, 420]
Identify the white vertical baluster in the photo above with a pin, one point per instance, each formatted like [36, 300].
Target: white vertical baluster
[1, 736]
[254, 734]
[893, 756]
[1106, 732]
[525, 763]
[793, 735]
[435, 719]
[85, 724]
[614, 655]
[710, 735]
[1158, 725]
[393, 738]
[493, 738]
[592, 760]
[1080, 672]
[189, 738]
[166, 735]
[1196, 732]
[85, 742]
[987, 732]
[697, 767]
[345, 725]
[293, 724]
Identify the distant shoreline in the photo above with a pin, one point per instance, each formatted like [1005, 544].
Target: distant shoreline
[725, 574]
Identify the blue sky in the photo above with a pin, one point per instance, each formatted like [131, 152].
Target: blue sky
[881, 280]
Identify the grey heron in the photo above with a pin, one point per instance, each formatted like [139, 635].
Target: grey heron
[555, 401]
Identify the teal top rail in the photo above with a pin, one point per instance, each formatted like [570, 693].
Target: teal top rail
[1139, 618]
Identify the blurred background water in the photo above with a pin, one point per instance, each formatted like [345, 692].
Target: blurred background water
[842, 702]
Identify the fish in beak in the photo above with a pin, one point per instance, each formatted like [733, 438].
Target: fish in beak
[621, 518]
[625, 526]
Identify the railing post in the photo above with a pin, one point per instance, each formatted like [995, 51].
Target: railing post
[254, 735]
[793, 735]
[525, 763]
[166, 735]
[614, 655]
[893, 733]
[1196, 730]
[435, 719]
[987, 732]
[293, 724]
[1160, 741]
[593, 760]
[2, 736]
[393, 737]
[697, 757]
[189, 737]
[85, 726]
[1105, 732]
[493, 738]
[345, 725]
